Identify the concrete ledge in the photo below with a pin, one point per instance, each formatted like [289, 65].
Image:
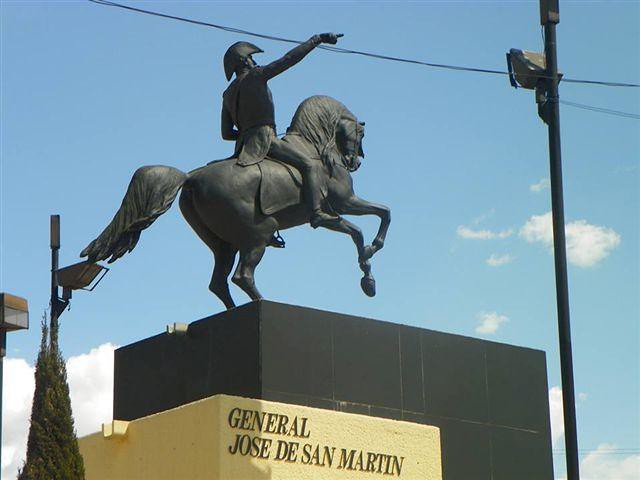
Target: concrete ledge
[232, 438]
[115, 429]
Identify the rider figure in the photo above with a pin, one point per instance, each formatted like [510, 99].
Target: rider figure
[248, 105]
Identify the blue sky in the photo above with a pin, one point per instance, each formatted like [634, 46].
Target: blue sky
[90, 93]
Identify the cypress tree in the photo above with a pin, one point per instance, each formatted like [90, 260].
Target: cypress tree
[52, 447]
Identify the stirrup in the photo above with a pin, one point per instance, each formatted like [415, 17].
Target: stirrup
[276, 241]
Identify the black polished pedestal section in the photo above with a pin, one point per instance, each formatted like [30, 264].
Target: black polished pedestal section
[490, 400]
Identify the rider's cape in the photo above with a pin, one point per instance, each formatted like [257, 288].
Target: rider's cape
[253, 145]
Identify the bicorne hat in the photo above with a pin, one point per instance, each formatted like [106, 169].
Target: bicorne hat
[235, 54]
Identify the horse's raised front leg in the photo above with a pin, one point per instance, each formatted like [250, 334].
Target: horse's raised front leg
[368, 283]
[355, 205]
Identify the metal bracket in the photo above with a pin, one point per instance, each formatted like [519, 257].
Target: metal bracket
[59, 306]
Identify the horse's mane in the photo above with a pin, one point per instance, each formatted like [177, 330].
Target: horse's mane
[316, 120]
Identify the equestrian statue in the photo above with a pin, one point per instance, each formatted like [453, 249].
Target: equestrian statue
[239, 204]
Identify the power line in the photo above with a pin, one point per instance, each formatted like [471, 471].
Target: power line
[607, 111]
[598, 82]
[603, 451]
[345, 50]
[385, 57]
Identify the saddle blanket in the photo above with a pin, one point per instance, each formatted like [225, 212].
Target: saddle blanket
[280, 186]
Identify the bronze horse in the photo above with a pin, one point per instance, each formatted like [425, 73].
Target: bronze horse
[238, 209]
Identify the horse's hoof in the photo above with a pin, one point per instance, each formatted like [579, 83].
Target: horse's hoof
[368, 285]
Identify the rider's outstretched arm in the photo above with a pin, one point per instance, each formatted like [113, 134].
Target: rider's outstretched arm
[298, 53]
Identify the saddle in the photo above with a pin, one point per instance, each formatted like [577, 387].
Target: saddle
[280, 186]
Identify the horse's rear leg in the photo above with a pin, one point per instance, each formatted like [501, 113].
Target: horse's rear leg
[225, 256]
[244, 274]
[224, 253]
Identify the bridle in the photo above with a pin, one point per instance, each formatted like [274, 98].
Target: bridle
[349, 163]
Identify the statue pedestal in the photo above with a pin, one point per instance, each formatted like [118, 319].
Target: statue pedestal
[489, 400]
[232, 438]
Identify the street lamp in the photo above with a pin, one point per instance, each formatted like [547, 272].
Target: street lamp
[525, 68]
[79, 276]
[14, 315]
[529, 70]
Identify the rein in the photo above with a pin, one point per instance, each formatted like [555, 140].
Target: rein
[349, 164]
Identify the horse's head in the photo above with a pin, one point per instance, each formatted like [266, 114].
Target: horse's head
[349, 135]
[332, 129]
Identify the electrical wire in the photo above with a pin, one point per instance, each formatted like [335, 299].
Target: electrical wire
[599, 451]
[598, 82]
[348, 51]
[384, 57]
[607, 111]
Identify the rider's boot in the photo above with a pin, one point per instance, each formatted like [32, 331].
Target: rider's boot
[319, 218]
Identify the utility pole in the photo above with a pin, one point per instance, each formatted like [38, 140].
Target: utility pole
[549, 18]
[539, 72]
[57, 305]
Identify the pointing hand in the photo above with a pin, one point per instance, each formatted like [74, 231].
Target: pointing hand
[331, 38]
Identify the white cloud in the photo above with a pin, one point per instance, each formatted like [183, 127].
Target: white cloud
[91, 387]
[471, 234]
[601, 464]
[496, 260]
[489, 322]
[626, 169]
[17, 395]
[90, 378]
[555, 411]
[586, 244]
[605, 463]
[481, 218]
[541, 185]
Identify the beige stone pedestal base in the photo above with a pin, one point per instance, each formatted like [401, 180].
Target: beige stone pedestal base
[233, 438]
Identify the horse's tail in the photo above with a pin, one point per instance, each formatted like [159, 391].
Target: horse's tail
[151, 192]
